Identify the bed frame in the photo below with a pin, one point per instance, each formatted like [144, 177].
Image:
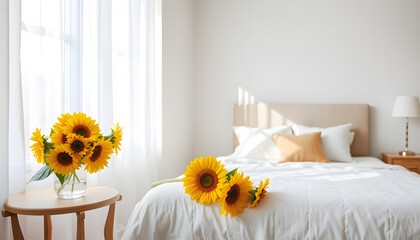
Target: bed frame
[320, 115]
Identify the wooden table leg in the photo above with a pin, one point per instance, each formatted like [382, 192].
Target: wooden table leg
[17, 232]
[47, 227]
[80, 225]
[109, 224]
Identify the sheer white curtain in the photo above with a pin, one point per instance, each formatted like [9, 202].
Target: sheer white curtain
[12, 173]
[119, 84]
[99, 57]
[4, 108]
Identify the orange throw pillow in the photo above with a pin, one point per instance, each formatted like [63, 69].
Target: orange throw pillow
[302, 148]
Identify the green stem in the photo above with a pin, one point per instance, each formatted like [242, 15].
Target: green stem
[108, 137]
[72, 185]
[62, 185]
[155, 184]
[48, 144]
[77, 177]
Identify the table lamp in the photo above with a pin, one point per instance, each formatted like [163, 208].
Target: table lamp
[406, 107]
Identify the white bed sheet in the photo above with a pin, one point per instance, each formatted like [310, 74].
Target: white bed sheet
[366, 199]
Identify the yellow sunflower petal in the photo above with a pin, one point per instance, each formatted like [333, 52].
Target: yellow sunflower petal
[38, 147]
[77, 146]
[201, 180]
[117, 137]
[62, 121]
[98, 157]
[61, 161]
[58, 137]
[260, 194]
[235, 195]
[82, 125]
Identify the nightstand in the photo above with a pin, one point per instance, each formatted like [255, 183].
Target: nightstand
[44, 202]
[412, 163]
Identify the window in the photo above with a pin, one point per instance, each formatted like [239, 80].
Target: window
[51, 62]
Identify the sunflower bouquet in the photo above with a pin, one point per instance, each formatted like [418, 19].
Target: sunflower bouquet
[207, 181]
[74, 141]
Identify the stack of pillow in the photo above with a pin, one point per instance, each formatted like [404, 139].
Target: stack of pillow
[296, 143]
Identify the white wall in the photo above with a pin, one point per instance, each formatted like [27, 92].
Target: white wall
[4, 112]
[178, 86]
[324, 51]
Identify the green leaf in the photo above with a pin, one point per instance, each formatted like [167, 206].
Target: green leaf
[42, 174]
[252, 192]
[60, 177]
[230, 174]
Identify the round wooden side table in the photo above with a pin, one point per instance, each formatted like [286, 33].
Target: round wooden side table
[44, 202]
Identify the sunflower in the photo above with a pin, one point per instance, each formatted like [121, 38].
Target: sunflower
[58, 137]
[259, 193]
[203, 179]
[98, 157]
[38, 147]
[62, 121]
[82, 125]
[235, 196]
[61, 161]
[117, 137]
[77, 146]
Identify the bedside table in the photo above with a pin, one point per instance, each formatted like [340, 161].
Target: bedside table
[412, 163]
[44, 202]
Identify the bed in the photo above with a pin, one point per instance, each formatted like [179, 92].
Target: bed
[361, 199]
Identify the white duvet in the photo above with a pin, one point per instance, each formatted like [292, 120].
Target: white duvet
[366, 199]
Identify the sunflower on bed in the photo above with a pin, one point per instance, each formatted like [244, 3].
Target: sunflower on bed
[207, 181]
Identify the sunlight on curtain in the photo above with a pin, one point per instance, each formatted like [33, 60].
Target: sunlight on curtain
[119, 86]
[103, 63]
[45, 55]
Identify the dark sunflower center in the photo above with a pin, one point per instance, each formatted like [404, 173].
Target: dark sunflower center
[233, 194]
[96, 153]
[77, 146]
[63, 138]
[64, 158]
[207, 180]
[82, 131]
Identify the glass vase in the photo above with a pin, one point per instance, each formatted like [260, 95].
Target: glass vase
[74, 185]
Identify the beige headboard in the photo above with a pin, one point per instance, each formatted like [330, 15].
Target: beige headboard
[319, 115]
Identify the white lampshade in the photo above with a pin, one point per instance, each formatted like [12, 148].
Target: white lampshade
[406, 106]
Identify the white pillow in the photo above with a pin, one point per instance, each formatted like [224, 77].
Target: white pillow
[306, 129]
[351, 138]
[335, 140]
[258, 142]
